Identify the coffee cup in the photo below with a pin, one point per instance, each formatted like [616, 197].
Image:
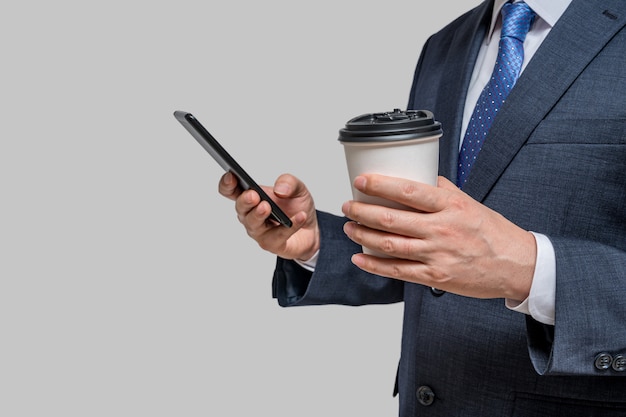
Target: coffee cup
[400, 143]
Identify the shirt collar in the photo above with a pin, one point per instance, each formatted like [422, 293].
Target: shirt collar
[548, 10]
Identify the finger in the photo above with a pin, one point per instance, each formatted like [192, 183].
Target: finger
[273, 237]
[397, 221]
[420, 196]
[256, 216]
[246, 201]
[254, 213]
[229, 186]
[274, 233]
[388, 243]
[400, 269]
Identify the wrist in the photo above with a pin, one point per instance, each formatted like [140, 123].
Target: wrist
[522, 279]
[311, 254]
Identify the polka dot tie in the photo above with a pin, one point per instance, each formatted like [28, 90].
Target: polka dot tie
[516, 21]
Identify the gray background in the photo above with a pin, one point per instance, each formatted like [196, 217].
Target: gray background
[128, 288]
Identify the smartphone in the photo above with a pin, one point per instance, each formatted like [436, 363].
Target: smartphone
[227, 162]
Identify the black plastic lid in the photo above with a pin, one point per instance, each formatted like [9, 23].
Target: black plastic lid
[390, 126]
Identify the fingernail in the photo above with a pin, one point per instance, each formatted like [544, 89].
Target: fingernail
[357, 260]
[282, 188]
[228, 178]
[359, 182]
[348, 228]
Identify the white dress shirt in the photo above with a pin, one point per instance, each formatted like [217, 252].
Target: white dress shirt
[541, 302]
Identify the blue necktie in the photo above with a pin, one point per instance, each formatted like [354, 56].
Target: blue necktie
[516, 21]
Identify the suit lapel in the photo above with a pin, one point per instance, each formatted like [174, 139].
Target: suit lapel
[579, 35]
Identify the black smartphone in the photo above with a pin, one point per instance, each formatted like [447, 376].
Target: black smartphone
[227, 162]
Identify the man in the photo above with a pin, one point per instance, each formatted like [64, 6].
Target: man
[514, 286]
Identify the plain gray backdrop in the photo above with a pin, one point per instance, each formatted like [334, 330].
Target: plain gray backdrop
[128, 287]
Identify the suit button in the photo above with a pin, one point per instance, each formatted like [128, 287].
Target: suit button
[437, 292]
[425, 395]
[619, 363]
[603, 361]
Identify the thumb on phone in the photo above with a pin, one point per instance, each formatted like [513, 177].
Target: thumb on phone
[288, 186]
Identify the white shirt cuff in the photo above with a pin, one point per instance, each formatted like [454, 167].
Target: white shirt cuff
[541, 301]
[310, 263]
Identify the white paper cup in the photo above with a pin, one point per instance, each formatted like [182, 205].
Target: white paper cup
[397, 144]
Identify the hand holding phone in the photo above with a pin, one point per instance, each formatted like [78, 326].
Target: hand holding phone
[227, 162]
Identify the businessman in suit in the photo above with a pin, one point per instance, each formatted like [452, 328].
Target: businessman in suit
[513, 278]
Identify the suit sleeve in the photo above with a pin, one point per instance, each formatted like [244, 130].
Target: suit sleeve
[590, 316]
[335, 280]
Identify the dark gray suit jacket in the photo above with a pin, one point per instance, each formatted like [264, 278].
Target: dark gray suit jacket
[554, 163]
